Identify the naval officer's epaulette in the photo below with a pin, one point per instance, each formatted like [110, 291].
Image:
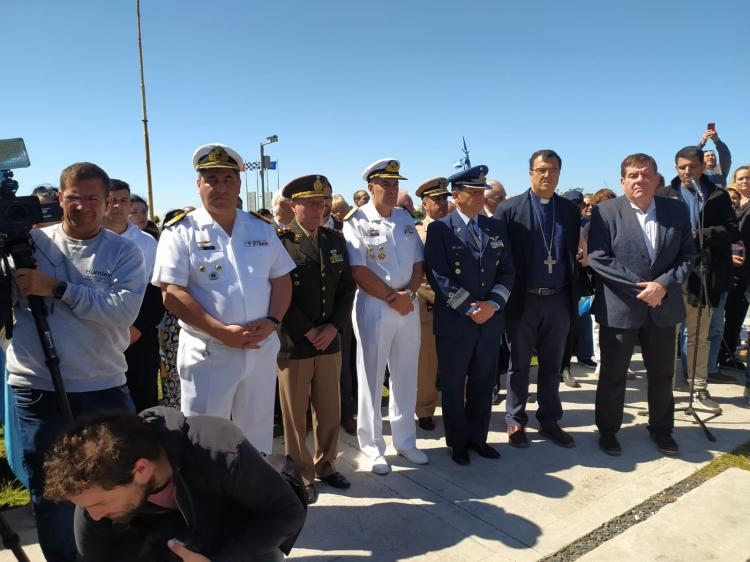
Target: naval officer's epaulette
[261, 217]
[285, 233]
[175, 219]
[351, 212]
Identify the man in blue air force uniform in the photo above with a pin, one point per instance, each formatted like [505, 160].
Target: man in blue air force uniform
[470, 267]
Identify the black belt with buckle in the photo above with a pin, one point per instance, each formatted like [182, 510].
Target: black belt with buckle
[545, 291]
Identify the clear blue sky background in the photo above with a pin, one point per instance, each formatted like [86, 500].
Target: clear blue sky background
[344, 83]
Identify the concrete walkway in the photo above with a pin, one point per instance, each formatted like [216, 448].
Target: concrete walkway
[526, 505]
[711, 522]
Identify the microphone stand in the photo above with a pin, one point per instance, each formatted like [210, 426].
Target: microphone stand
[702, 303]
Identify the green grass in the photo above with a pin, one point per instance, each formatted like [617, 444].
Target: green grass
[12, 492]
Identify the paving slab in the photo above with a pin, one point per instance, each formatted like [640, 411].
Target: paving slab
[528, 504]
[711, 522]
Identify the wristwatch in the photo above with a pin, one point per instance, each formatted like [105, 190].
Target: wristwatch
[275, 321]
[59, 290]
[412, 294]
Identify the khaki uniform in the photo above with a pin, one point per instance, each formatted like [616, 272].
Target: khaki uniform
[427, 394]
[322, 293]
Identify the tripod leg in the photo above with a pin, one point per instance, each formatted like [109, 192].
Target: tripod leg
[12, 541]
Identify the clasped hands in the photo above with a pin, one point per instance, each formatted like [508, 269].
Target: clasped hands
[322, 336]
[483, 311]
[401, 302]
[652, 293]
[248, 336]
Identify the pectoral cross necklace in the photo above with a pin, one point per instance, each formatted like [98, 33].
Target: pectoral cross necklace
[549, 262]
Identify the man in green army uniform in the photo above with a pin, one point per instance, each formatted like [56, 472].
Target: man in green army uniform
[310, 357]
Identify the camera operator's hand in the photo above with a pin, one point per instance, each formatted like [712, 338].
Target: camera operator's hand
[35, 282]
[187, 555]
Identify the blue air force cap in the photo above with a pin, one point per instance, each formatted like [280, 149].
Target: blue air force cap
[473, 177]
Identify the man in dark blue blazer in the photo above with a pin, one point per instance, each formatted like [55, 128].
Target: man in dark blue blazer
[642, 250]
[543, 308]
[469, 266]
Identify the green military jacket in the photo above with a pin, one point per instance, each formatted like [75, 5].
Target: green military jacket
[322, 290]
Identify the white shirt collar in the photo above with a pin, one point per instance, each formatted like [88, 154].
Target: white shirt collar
[650, 211]
[464, 217]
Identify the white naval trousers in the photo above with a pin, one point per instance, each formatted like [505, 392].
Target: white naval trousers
[235, 384]
[384, 337]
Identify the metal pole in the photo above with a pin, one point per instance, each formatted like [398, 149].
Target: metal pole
[262, 179]
[277, 175]
[145, 116]
[247, 191]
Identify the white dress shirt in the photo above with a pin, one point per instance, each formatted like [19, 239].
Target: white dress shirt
[649, 227]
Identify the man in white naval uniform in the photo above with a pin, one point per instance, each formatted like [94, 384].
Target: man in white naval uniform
[225, 275]
[385, 254]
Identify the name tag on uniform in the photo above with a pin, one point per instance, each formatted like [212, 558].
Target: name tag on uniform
[496, 242]
[336, 257]
[205, 245]
[409, 229]
[256, 243]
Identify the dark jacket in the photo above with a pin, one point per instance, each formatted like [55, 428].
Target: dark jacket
[618, 255]
[720, 230]
[322, 290]
[460, 274]
[743, 216]
[516, 213]
[233, 506]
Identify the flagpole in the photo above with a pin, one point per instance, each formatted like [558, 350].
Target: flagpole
[257, 207]
[277, 175]
[145, 117]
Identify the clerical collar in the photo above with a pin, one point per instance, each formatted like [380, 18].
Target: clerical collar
[541, 200]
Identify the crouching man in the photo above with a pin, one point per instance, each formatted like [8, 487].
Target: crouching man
[147, 485]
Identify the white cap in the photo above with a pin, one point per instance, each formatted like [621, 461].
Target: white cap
[385, 168]
[216, 155]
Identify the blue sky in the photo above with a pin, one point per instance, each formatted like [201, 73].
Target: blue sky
[344, 83]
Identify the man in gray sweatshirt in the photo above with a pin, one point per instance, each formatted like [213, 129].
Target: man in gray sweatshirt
[93, 282]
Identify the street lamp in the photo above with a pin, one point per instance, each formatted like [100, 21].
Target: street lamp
[269, 140]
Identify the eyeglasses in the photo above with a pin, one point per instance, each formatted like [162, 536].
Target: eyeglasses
[546, 171]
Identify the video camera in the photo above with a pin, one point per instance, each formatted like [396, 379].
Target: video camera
[19, 214]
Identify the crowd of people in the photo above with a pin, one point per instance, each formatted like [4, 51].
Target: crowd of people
[323, 312]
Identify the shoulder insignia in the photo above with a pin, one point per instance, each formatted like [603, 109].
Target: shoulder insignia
[284, 233]
[175, 219]
[418, 223]
[261, 217]
[351, 212]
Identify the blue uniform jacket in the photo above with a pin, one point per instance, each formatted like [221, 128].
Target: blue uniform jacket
[460, 274]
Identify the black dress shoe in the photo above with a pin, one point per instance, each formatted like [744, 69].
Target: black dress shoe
[460, 455]
[609, 444]
[337, 480]
[311, 493]
[588, 361]
[426, 423]
[731, 363]
[555, 433]
[484, 450]
[665, 443]
[517, 438]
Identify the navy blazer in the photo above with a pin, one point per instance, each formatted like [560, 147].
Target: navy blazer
[618, 255]
[460, 274]
[516, 214]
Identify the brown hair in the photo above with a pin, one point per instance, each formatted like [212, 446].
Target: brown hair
[545, 154]
[637, 158]
[99, 452]
[602, 195]
[84, 171]
[736, 170]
